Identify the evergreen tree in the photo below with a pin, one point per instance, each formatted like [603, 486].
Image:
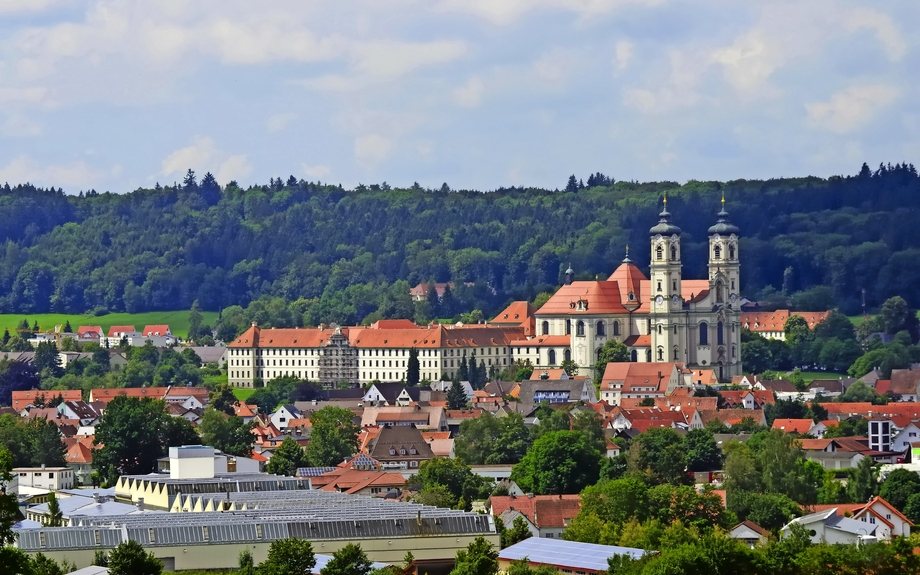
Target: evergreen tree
[129, 558]
[194, 321]
[572, 185]
[349, 560]
[67, 328]
[412, 368]
[464, 372]
[6, 336]
[55, 516]
[456, 398]
[448, 306]
[287, 458]
[434, 302]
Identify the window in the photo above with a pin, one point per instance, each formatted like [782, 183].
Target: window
[413, 464]
[567, 354]
[633, 356]
[552, 357]
[719, 297]
[545, 328]
[674, 286]
[616, 328]
[660, 353]
[675, 330]
[704, 334]
[392, 451]
[731, 252]
[659, 286]
[659, 252]
[717, 252]
[720, 336]
[676, 354]
[673, 253]
[601, 330]
[402, 451]
[659, 329]
[580, 329]
[413, 451]
[568, 327]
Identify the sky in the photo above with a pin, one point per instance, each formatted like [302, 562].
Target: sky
[479, 94]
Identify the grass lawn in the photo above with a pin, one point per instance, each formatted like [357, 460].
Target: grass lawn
[176, 320]
[243, 394]
[810, 376]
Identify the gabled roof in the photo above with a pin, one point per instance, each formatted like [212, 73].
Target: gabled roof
[397, 438]
[752, 526]
[21, 399]
[519, 313]
[115, 329]
[602, 297]
[800, 426]
[904, 381]
[776, 320]
[777, 385]
[79, 453]
[155, 330]
[629, 279]
[90, 331]
[541, 510]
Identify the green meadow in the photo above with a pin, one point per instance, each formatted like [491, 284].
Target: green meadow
[176, 320]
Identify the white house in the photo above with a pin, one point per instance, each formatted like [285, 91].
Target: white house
[829, 527]
[34, 480]
[905, 436]
[284, 415]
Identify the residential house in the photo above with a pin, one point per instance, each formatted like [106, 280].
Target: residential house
[674, 402]
[777, 386]
[747, 399]
[245, 411]
[699, 377]
[35, 480]
[627, 380]
[420, 292]
[557, 391]
[906, 432]
[156, 331]
[799, 426]
[216, 354]
[80, 410]
[729, 417]
[905, 384]
[284, 415]
[843, 452]
[23, 399]
[186, 396]
[423, 417]
[90, 333]
[644, 418]
[829, 387]
[79, 458]
[105, 395]
[750, 533]
[878, 513]
[400, 447]
[546, 515]
[829, 527]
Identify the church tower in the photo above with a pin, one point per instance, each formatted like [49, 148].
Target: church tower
[724, 284]
[665, 271]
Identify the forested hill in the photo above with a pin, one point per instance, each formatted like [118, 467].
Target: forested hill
[163, 248]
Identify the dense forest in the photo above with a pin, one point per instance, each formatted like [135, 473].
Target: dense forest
[164, 248]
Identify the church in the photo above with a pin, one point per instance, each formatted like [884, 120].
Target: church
[663, 318]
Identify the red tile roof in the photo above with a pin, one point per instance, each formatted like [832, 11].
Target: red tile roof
[518, 314]
[601, 297]
[121, 329]
[155, 330]
[545, 341]
[638, 341]
[23, 398]
[541, 510]
[429, 337]
[776, 320]
[89, 331]
[904, 381]
[801, 426]
[629, 279]
[79, 453]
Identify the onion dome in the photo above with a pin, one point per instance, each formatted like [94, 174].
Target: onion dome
[664, 226]
[723, 227]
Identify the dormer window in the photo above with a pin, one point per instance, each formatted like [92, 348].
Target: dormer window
[413, 451]
[392, 451]
[402, 451]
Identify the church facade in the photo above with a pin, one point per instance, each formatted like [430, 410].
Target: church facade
[664, 317]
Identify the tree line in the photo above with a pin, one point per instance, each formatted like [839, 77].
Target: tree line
[352, 253]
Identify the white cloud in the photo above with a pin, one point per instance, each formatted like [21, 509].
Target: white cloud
[195, 157]
[623, 54]
[233, 168]
[278, 122]
[851, 108]
[20, 126]
[469, 95]
[13, 6]
[509, 11]
[25, 169]
[678, 90]
[885, 30]
[372, 149]
[319, 171]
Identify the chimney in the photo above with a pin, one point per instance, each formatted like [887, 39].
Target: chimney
[96, 498]
[255, 324]
[140, 504]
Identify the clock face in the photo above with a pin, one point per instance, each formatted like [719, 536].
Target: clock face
[674, 299]
[659, 299]
[733, 298]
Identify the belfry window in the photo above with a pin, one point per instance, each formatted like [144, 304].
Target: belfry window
[659, 286]
[717, 252]
[704, 333]
[659, 329]
[731, 252]
[673, 253]
[660, 354]
[659, 253]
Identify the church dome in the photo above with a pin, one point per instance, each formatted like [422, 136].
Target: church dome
[723, 226]
[664, 226]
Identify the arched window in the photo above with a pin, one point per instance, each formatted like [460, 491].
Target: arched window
[659, 329]
[675, 330]
[660, 353]
[616, 328]
[717, 252]
[545, 328]
[552, 357]
[733, 351]
[673, 253]
[648, 356]
[676, 354]
[567, 355]
[659, 253]
[580, 328]
[633, 356]
[719, 297]
[720, 335]
[601, 329]
[568, 327]
[731, 252]
[704, 333]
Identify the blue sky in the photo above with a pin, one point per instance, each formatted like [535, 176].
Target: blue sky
[115, 95]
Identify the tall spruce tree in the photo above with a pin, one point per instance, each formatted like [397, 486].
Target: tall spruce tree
[413, 373]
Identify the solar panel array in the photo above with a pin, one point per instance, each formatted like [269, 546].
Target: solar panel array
[313, 471]
[313, 515]
[568, 554]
